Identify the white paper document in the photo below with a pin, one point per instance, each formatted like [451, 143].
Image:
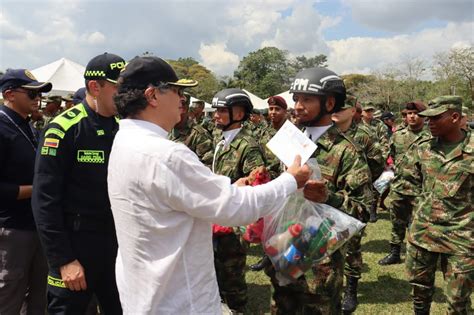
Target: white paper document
[288, 142]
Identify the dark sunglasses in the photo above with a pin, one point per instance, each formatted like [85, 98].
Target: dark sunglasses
[32, 94]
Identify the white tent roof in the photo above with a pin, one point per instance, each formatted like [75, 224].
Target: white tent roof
[257, 102]
[288, 98]
[207, 106]
[65, 75]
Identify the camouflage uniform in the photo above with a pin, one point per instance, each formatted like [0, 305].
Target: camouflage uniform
[371, 149]
[348, 176]
[401, 194]
[236, 160]
[443, 224]
[443, 220]
[197, 139]
[380, 131]
[41, 124]
[273, 164]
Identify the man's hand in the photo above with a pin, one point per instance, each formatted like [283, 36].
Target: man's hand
[73, 276]
[300, 173]
[316, 190]
[244, 181]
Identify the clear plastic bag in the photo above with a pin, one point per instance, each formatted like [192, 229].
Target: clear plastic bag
[305, 232]
[384, 180]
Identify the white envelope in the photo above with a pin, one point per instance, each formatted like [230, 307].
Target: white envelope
[288, 142]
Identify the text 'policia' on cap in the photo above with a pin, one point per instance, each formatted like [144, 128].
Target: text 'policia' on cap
[141, 72]
[104, 67]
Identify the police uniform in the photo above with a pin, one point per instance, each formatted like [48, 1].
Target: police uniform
[71, 204]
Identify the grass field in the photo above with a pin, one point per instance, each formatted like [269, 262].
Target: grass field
[382, 290]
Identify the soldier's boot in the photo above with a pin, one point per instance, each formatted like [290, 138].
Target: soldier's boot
[373, 213]
[349, 302]
[394, 256]
[264, 262]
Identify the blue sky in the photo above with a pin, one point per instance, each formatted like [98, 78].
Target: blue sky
[356, 35]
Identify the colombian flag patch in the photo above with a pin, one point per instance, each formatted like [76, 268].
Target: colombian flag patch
[51, 142]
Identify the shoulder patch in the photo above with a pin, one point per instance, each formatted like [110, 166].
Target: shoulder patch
[70, 117]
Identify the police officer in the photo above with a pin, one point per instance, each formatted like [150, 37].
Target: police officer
[70, 200]
[319, 92]
[23, 267]
[236, 155]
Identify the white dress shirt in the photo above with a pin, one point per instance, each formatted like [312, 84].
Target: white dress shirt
[163, 202]
[314, 133]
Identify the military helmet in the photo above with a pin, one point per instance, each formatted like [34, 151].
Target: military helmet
[318, 81]
[232, 97]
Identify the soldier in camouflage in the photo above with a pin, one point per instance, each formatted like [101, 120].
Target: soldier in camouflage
[318, 92]
[443, 220]
[236, 155]
[50, 111]
[402, 194]
[277, 111]
[380, 131]
[370, 150]
[193, 135]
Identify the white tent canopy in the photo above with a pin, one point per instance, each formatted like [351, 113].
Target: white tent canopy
[207, 106]
[257, 102]
[65, 75]
[288, 98]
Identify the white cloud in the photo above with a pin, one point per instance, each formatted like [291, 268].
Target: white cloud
[95, 38]
[363, 54]
[299, 33]
[403, 15]
[216, 57]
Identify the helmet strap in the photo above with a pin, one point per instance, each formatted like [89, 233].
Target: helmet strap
[322, 112]
[231, 120]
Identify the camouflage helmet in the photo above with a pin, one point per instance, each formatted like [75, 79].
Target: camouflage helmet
[232, 97]
[441, 105]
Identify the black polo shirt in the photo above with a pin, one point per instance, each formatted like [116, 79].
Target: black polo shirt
[18, 143]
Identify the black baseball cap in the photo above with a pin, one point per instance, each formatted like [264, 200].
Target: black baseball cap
[15, 78]
[387, 115]
[104, 67]
[140, 72]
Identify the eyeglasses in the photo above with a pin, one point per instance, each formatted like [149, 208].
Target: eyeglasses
[32, 94]
[165, 86]
[178, 90]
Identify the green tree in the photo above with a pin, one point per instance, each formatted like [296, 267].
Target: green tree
[190, 69]
[263, 72]
[302, 62]
[454, 71]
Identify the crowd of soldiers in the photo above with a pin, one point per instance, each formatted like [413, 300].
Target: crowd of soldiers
[430, 198]
[355, 149]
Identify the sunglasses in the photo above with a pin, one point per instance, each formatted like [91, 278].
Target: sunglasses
[32, 94]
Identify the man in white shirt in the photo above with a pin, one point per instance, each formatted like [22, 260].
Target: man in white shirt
[164, 200]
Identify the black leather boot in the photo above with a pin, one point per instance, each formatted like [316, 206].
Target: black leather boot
[265, 261]
[349, 302]
[392, 258]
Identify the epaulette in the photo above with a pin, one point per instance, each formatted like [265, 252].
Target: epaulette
[70, 117]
